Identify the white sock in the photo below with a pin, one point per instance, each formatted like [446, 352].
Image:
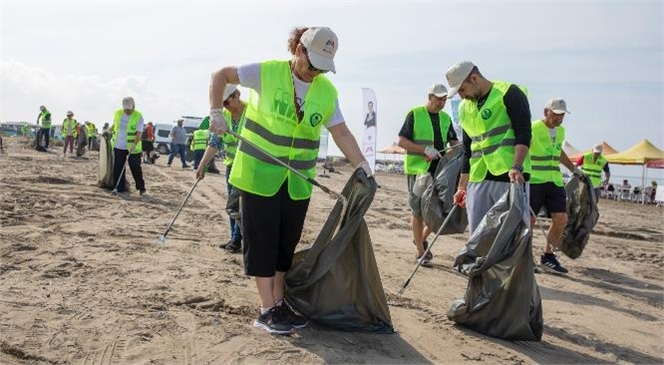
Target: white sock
[265, 310]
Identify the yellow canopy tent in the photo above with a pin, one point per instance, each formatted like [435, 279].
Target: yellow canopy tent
[643, 153]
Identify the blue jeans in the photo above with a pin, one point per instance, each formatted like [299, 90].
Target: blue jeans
[198, 156]
[175, 149]
[236, 234]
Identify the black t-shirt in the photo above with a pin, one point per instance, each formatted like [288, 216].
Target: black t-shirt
[407, 132]
[518, 110]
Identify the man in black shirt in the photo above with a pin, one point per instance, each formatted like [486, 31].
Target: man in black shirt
[495, 119]
[425, 135]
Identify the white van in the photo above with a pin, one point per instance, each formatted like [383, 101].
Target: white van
[162, 143]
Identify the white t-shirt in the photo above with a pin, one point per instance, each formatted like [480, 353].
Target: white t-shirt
[250, 76]
[121, 141]
[552, 133]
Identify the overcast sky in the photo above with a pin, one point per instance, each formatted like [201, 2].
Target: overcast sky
[604, 58]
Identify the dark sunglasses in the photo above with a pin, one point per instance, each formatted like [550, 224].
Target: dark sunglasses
[311, 66]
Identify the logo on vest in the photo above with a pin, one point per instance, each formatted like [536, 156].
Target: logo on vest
[486, 114]
[315, 119]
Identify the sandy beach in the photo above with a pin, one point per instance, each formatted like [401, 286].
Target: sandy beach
[82, 280]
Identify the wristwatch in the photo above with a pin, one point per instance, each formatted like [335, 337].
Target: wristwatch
[518, 168]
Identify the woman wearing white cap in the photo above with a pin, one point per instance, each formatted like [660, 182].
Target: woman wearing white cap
[290, 102]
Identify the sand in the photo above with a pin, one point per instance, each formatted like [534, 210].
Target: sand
[82, 280]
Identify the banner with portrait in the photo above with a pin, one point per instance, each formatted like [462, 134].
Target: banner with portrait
[369, 111]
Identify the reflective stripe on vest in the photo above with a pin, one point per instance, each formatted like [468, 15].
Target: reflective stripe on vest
[491, 133]
[593, 169]
[67, 125]
[272, 125]
[230, 142]
[132, 124]
[416, 163]
[545, 154]
[45, 119]
[200, 140]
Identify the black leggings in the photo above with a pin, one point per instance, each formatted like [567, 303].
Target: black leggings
[134, 165]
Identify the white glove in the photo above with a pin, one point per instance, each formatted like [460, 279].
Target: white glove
[364, 165]
[432, 153]
[218, 124]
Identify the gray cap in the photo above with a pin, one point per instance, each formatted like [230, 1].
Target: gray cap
[128, 103]
[456, 74]
[557, 105]
[321, 44]
[438, 90]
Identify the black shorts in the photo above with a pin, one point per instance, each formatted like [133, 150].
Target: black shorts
[271, 228]
[548, 195]
[148, 146]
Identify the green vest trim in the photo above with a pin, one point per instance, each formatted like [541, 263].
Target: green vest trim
[416, 163]
[545, 154]
[593, 169]
[131, 129]
[271, 124]
[491, 133]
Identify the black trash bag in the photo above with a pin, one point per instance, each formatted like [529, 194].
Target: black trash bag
[582, 215]
[438, 198]
[81, 141]
[502, 299]
[336, 281]
[106, 158]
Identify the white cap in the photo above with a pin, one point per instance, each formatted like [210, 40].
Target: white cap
[558, 106]
[128, 103]
[438, 90]
[321, 44]
[69, 112]
[456, 74]
[597, 148]
[230, 88]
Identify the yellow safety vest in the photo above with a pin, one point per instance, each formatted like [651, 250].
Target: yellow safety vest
[492, 135]
[134, 118]
[593, 169]
[231, 142]
[91, 130]
[66, 126]
[271, 124]
[200, 140]
[45, 118]
[416, 163]
[545, 154]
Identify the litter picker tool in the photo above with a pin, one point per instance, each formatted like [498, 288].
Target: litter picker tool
[162, 239]
[419, 262]
[124, 167]
[313, 182]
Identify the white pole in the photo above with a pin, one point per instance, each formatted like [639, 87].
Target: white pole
[643, 182]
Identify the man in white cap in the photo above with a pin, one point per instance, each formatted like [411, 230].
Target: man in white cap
[592, 164]
[495, 119]
[127, 146]
[547, 188]
[425, 133]
[274, 201]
